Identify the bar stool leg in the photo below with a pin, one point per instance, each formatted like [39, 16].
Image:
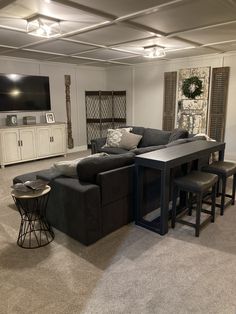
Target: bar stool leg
[190, 202]
[218, 188]
[223, 196]
[213, 202]
[233, 189]
[198, 214]
[173, 216]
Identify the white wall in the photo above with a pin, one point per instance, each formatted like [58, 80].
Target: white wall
[143, 83]
[82, 78]
[148, 86]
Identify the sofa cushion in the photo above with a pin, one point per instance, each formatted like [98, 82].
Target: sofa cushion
[177, 134]
[177, 142]
[69, 167]
[154, 137]
[47, 175]
[143, 150]
[88, 169]
[138, 130]
[114, 150]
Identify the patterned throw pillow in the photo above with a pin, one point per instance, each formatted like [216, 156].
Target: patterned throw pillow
[114, 136]
[129, 140]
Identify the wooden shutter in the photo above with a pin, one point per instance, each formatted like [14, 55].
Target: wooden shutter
[170, 81]
[219, 92]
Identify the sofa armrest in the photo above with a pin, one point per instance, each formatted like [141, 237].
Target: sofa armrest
[96, 144]
[116, 183]
[74, 208]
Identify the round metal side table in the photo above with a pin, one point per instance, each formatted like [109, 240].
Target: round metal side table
[34, 231]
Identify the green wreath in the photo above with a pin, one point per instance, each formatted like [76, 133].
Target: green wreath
[192, 87]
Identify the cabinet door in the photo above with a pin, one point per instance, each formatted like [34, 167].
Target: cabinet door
[27, 141]
[58, 139]
[43, 141]
[11, 146]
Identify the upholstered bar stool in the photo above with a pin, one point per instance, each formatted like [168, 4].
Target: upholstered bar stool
[196, 182]
[224, 170]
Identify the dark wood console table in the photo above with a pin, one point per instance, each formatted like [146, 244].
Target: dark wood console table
[165, 160]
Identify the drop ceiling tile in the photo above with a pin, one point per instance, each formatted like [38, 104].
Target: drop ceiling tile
[62, 46]
[188, 53]
[120, 7]
[110, 35]
[69, 60]
[212, 35]
[106, 54]
[190, 14]
[3, 49]
[226, 46]
[25, 8]
[139, 59]
[16, 39]
[13, 22]
[169, 43]
[29, 55]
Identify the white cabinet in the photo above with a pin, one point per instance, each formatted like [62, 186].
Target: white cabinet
[31, 142]
[10, 146]
[27, 143]
[51, 140]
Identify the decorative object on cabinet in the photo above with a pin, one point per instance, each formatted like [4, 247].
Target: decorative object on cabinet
[50, 117]
[28, 120]
[68, 111]
[11, 119]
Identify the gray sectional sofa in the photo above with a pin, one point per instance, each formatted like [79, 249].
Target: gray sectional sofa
[152, 139]
[100, 199]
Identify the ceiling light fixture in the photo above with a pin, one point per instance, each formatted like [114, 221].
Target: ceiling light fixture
[43, 26]
[154, 51]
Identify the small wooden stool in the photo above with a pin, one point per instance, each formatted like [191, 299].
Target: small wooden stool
[224, 170]
[196, 182]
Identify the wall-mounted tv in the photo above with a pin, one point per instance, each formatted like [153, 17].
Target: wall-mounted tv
[24, 93]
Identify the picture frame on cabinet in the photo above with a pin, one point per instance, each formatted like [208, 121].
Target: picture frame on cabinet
[50, 117]
[11, 120]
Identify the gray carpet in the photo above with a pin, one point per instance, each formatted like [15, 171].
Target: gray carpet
[130, 271]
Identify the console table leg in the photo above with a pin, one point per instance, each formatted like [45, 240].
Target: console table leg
[165, 184]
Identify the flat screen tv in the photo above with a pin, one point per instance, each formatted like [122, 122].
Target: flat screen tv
[24, 93]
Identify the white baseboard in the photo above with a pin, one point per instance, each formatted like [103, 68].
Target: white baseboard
[77, 149]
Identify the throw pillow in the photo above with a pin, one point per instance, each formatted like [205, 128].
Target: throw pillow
[178, 134]
[68, 167]
[154, 137]
[129, 140]
[114, 136]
